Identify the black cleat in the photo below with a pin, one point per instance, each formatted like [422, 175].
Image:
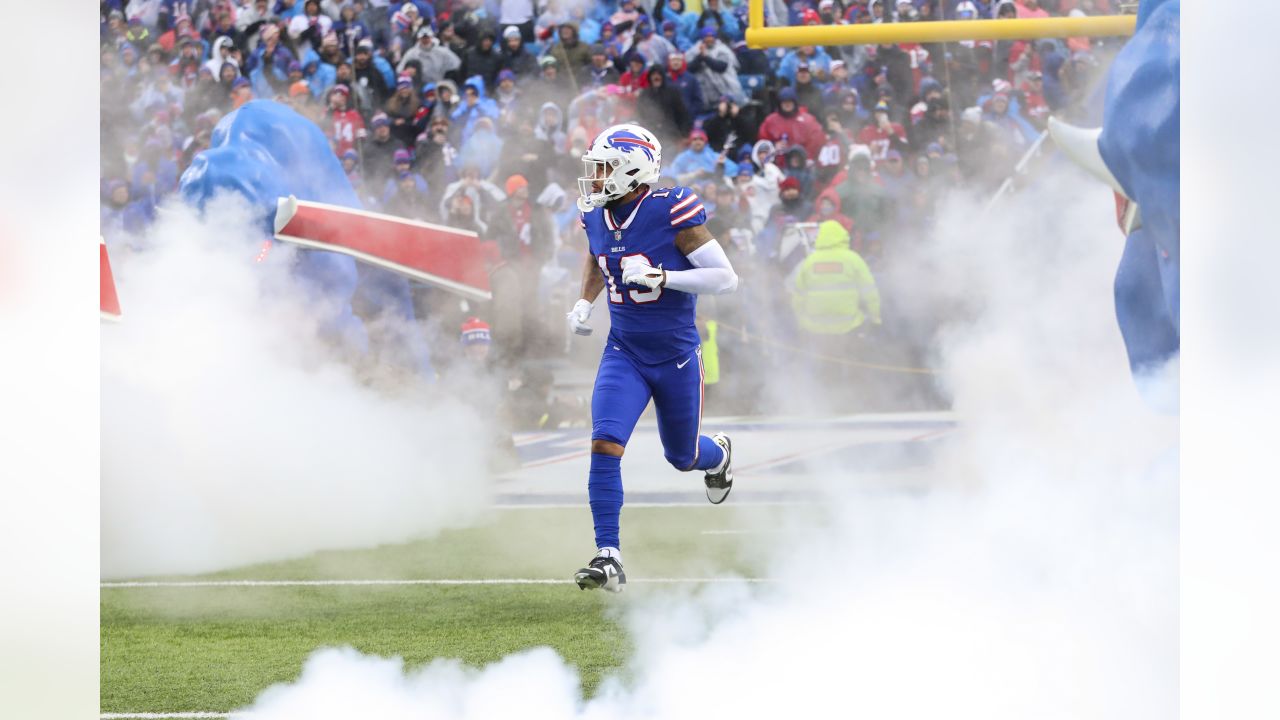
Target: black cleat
[719, 484]
[602, 572]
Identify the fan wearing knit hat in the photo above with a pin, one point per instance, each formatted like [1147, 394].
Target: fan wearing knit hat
[475, 339]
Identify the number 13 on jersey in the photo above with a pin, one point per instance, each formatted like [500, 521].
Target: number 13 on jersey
[638, 295]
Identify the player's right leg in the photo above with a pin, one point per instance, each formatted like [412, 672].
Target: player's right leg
[620, 395]
[677, 398]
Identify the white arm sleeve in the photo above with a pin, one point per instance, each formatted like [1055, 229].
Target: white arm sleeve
[712, 274]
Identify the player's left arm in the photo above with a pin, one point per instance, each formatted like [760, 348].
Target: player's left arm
[712, 273]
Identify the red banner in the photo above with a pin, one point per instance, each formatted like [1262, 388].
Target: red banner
[108, 302]
[446, 257]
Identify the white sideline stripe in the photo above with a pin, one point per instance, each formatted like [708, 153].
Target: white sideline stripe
[147, 716]
[748, 532]
[327, 583]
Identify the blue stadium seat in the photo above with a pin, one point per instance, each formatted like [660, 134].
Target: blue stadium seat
[751, 83]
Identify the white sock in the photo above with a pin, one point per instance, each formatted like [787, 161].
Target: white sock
[610, 552]
[723, 461]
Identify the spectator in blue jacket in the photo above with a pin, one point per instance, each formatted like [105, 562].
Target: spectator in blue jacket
[699, 162]
[319, 75]
[482, 148]
[817, 58]
[286, 9]
[671, 33]
[349, 28]
[673, 11]
[123, 218]
[403, 164]
[268, 65]
[713, 15]
[687, 83]
[159, 92]
[474, 106]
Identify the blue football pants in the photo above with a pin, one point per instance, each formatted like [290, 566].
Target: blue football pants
[622, 391]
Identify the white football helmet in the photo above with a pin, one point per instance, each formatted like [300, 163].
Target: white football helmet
[623, 156]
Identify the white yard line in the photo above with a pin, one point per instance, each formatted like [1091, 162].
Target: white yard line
[329, 583]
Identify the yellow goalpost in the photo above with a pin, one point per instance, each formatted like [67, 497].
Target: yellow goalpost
[759, 36]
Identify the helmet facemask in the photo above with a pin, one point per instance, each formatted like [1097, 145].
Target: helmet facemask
[598, 185]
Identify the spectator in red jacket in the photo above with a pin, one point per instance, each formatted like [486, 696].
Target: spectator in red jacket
[795, 122]
[828, 208]
[881, 135]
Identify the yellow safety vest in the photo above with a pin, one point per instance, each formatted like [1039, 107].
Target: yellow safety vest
[710, 356]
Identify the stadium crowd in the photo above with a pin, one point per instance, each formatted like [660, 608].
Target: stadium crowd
[474, 113]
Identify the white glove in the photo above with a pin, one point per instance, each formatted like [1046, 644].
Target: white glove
[578, 317]
[636, 271]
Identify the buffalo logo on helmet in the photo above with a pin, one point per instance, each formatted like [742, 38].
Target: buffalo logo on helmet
[625, 141]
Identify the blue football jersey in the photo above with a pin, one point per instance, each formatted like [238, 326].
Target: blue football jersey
[656, 325]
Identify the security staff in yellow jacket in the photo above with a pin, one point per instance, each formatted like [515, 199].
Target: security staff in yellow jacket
[833, 291]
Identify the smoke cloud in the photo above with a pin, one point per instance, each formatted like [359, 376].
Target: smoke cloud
[232, 435]
[1037, 578]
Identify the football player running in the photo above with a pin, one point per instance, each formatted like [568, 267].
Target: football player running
[651, 252]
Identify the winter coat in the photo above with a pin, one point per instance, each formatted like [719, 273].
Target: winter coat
[593, 77]
[845, 221]
[379, 159]
[691, 91]
[485, 196]
[393, 185]
[214, 63]
[388, 73]
[275, 69]
[521, 62]
[152, 95]
[320, 75]
[483, 149]
[532, 241]
[833, 285]
[716, 70]
[484, 64]
[819, 60]
[694, 20]
[435, 61]
[373, 81]
[465, 116]
[551, 133]
[655, 49]
[800, 128]
[689, 162]
[867, 203]
[662, 111]
[404, 111]
[571, 57]
[718, 128]
[796, 165]
[809, 96]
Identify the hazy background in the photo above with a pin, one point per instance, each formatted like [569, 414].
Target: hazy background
[231, 435]
[1037, 578]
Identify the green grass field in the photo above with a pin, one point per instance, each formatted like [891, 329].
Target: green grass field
[215, 648]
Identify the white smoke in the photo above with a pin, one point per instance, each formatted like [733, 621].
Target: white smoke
[230, 435]
[1037, 578]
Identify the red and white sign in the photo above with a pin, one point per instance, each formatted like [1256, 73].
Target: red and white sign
[449, 258]
[108, 302]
